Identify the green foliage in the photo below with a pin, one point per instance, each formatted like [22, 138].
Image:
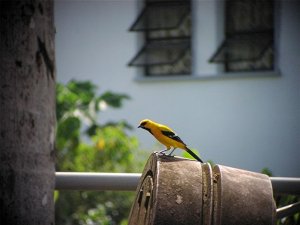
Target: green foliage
[84, 145]
[284, 200]
[266, 171]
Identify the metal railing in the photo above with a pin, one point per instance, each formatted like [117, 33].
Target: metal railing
[97, 181]
[129, 182]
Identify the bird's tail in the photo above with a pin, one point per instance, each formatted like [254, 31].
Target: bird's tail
[193, 154]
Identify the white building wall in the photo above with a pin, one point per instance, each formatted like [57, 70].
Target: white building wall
[249, 123]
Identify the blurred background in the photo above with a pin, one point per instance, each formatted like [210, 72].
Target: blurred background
[225, 75]
[249, 123]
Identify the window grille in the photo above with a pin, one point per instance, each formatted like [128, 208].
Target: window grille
[167, 31]
[249, 31]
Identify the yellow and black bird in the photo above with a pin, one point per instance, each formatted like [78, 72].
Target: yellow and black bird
[166, 136]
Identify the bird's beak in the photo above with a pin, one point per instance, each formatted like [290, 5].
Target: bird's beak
[140, 126]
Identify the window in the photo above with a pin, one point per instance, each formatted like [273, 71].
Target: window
[167, 30]
[249, 30]
[224, 36]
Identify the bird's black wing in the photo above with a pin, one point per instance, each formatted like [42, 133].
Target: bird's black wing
[172, 135]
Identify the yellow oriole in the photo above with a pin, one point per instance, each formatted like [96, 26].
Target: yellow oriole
[166, 136]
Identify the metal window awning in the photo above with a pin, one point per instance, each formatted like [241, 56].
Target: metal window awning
[161, 52]
[159, 15]
[243, 47]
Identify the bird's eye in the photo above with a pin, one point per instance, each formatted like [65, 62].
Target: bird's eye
[143, 123]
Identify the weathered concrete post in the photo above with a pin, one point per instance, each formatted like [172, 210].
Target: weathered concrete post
[180, 191]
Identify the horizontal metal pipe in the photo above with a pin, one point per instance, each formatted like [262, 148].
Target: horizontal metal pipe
[129, 181]
[97, 181]
[286, 185]
[288, 210]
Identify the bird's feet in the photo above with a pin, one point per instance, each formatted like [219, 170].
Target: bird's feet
[162, 152]
[170, 154]
[159, 152]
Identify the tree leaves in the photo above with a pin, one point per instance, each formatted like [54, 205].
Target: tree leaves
[113, 99]
[85, 145]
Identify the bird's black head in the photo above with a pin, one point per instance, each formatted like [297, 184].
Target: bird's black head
[145, 124]
[142, 124]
